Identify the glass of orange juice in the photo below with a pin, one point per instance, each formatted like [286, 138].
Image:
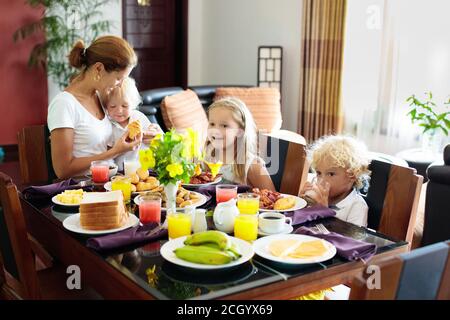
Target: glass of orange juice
[246, 227]
[248, 203]
[179, 223]
[123, 184]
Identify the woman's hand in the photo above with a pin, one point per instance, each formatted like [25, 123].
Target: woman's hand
[152, 130]
[123, 145]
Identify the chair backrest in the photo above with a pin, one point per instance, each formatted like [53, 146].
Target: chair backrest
[35, 154]
[437, 218]
[285, 155]
[393, 197]
[25, 272]
[423, 274]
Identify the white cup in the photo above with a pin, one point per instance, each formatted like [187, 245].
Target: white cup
[130, 167]
[273, 222]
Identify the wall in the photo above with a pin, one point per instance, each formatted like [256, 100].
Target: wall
[23, 91]
[223, 44]
[111, 11]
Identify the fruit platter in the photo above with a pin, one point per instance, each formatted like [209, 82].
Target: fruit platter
[207, 250]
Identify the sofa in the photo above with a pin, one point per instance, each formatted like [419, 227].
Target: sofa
[437, 209]
[151, 99]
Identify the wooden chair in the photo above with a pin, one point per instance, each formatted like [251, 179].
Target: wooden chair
[35, 155]
[393, 197]
[285, 155]
[18, 275]
[423, 273]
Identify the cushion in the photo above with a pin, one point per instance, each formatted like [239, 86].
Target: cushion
[263, 103]
[183, 110]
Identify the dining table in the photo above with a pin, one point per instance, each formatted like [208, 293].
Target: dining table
[141, 272]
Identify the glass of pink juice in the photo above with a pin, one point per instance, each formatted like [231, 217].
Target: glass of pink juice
[225, 192]
[150, 209]
[100, 171]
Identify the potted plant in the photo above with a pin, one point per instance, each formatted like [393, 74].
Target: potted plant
[63, 22]
[170, 156]
[435, 125]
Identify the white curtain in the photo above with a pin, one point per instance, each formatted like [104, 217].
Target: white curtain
[414, 57]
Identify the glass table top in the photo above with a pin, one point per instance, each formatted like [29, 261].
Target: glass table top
[146, 267]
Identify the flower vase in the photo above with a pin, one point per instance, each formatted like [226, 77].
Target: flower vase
[170, 190]
[431, 142]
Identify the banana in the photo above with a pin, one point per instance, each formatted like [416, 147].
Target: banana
[235, 250]
[203, 255]
[214, 236]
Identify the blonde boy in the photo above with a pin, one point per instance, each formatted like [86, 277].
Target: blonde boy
[341, 166]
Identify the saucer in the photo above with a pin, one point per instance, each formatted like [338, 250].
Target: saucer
[287, 229]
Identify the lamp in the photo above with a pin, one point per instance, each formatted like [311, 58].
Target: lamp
[143, 2]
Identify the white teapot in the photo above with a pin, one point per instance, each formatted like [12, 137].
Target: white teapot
[224, 215]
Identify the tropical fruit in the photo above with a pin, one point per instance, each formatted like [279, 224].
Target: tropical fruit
[209, 247]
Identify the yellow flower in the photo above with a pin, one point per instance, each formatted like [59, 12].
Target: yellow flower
[156, 141]
[175, 136]
[175, 169]
[146, 158]
[192, 136]
[214, 167]
[197, 170]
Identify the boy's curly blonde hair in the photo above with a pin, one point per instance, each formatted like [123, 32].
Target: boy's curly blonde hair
[345, 152]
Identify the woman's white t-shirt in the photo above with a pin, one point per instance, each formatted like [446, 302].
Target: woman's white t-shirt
[91, 135]
[119, 131]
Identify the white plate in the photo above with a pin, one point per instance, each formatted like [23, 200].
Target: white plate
[216, 181]
[286, 229]
[59, 203]
[261, 247]
[108, 187]
[299, 204]
[202, 199]
[72, 223]
[168, 254]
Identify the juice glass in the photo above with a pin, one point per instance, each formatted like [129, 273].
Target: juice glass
[246, 227]
[248, 203]
[123, 184]
[150, 209]
[225, 192]
[100, 171]
[179, 223]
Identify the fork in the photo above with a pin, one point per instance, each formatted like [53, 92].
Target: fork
[322, 229]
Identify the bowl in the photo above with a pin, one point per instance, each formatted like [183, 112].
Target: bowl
[113, 168]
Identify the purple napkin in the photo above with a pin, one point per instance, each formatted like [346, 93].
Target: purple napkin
[131, 236]
[310, 214]
[347, 248]
[50, 190]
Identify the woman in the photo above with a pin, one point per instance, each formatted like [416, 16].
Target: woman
[80, 129]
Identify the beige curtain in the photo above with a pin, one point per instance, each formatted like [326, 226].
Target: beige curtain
[321, 68]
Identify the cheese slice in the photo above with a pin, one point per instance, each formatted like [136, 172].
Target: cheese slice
[281, 248]
[308, 249]
[296, 249]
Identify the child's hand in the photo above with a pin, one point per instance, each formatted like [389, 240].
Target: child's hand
[316, 193]
[123, 144]
[152, 130]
